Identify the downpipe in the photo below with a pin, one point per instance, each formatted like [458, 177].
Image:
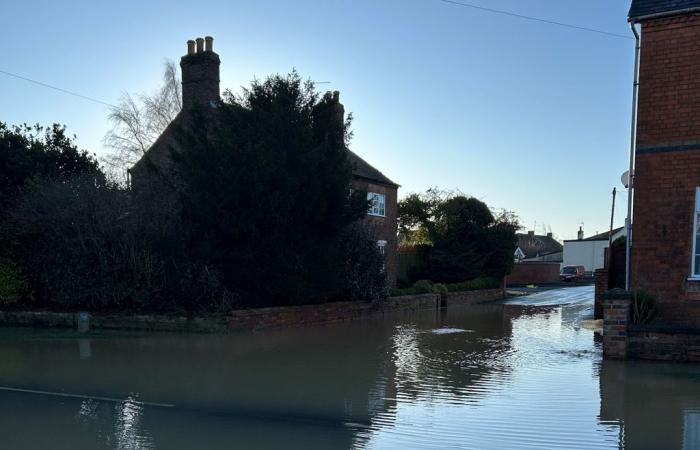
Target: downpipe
[633, 150]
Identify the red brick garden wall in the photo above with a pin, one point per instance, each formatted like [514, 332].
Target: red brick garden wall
[533, 273]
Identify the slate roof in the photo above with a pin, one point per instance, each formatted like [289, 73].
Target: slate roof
[604, 236]
[641, 8]
[533, 245]
[362, 169]
[158, 151]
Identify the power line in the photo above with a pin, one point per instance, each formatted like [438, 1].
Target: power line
[65, 91]
[536, 19]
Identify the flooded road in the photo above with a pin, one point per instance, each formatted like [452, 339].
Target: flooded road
[520, 374]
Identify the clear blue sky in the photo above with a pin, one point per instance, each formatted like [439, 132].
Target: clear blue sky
[523, 115]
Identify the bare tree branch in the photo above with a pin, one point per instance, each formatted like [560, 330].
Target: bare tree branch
[137, 121]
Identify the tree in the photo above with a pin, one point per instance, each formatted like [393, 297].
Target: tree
[265, 191]
[31, 153]
[138, 121]
[459, 236]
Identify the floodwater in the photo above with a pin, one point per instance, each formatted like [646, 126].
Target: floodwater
[520, 374]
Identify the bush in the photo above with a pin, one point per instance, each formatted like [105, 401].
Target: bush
[440, 288]
[643, 307]
[475, 284]
[364, 277]
[398, 292]
[426, 286]
[13, 286]
[423, 286]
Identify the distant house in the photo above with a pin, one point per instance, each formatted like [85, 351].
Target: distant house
[200, 86]
[589, 252]
[537, 248]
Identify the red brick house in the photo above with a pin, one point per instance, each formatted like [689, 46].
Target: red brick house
[666, 220]
[200, 85]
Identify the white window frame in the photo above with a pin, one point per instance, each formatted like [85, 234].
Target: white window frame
[378, 206]
[381, 245]
[695, 271]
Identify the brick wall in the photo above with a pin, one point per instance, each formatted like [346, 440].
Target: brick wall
[668, 167]
[282, 317]
[473, 297]
[534, 273]
[659, 344]
[384, 227]
[602, 284]
[616, 312]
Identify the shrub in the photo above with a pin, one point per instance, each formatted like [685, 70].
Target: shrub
[643, 307]
[426, 286]
[475, 284]
[398, 292]
[423, 286]
[12, 284]
[364, 277]
[440, 288]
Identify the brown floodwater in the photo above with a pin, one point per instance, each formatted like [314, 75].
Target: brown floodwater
[514, 375]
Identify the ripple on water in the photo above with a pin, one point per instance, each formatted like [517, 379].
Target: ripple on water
[448, 330]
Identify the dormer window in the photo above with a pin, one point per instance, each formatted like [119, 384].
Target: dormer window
[378, 204]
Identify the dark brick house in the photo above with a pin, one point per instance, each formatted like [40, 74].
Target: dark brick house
[666, 220]
[200, 85]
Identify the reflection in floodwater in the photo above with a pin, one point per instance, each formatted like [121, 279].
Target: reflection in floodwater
[656, 404]
[128, 431]
[522, 374]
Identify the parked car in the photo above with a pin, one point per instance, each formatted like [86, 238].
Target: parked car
[572, 273]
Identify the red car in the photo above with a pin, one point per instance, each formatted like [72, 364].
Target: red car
[572, 273]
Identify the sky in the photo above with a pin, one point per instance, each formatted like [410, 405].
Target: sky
[526, 116]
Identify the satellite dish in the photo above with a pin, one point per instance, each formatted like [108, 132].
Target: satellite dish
[625, 178]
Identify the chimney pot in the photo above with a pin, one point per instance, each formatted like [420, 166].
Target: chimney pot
[549, 235]
[200, 74]
[209, 44]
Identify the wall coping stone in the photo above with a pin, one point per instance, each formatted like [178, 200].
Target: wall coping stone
[617, 294]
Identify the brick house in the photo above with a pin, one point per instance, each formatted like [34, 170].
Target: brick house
[537, 248]
[666, 220]
[200, 85]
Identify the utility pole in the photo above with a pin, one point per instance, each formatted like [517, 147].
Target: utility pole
[612, 219]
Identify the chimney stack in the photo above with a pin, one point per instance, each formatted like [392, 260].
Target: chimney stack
[339, 108]
[200, 73]
[580, 233]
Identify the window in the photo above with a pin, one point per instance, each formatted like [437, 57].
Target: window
[381, 245]
[378, 205]
[695, 263]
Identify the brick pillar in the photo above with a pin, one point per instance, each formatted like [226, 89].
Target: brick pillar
[602, 280]
[616, 314]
